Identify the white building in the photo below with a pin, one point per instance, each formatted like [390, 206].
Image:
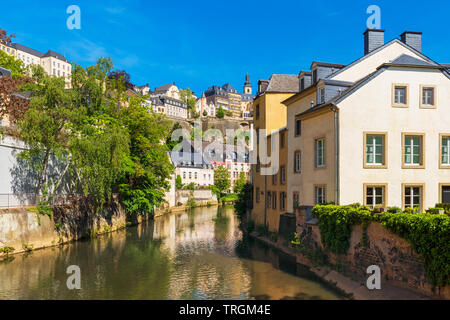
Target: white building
[53, 63]
[166, 100]
[379, 131]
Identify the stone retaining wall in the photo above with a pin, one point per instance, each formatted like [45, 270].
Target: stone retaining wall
[399, 264]
[25, 228]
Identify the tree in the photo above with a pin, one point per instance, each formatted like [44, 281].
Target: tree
[148, 168]
[13, 103]
[222, 180]
[122, 76]
[205, 114]
[187, 96]
[240, 183]
[220, 113]
[178, 183]
[14, 65]
[169, 142]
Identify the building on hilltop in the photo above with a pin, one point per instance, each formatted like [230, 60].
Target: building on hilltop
[166, 99]
[234, 104]
[53, 63]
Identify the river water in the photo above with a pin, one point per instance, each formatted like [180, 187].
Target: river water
[196, 255]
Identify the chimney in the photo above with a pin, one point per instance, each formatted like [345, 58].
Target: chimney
[373, 39]
[412, 39]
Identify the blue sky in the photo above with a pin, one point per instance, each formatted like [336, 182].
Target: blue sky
[197, 44]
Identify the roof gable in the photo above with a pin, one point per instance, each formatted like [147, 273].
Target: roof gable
[370, 62]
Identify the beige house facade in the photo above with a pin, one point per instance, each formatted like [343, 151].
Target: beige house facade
[375, 132]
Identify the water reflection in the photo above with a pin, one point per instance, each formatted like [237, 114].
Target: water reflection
[195, 255]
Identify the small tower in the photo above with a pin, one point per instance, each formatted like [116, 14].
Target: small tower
[247, 85]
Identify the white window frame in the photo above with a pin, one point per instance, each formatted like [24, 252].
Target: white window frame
[320, 153]
[319, 194]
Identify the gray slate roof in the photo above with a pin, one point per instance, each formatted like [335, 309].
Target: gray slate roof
[54, 54]
[164, 87]
[26, 49]
[405, 59]
[283, 83]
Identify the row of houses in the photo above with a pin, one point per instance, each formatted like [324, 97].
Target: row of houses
[166, 99]
[374, 132]
[196, 163]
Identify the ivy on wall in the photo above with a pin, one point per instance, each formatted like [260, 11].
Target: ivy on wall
[428, 234]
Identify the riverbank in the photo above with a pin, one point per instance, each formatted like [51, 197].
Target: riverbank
[25, 229]
[349, 287]
[194, 255]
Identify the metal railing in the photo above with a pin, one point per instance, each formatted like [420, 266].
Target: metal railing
[10, 201]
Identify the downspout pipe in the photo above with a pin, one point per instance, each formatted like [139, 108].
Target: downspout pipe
[336, 153]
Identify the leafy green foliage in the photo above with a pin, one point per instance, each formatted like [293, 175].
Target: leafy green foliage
[335, 224]
[188, 98]
[178, 182]
[14, 65]
[428, 234]
[220, 113]
[222, 180]
[243, 198]
[108, 140]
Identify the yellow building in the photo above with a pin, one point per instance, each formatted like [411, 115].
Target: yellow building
[270, 115]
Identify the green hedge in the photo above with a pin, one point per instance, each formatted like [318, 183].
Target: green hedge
[428, 234]
[336, 222]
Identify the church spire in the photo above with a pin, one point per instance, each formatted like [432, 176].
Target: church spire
[247, 80]
[248, 85]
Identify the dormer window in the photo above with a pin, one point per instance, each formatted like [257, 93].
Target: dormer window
[302, 84]
[314, 76]
[321, 97]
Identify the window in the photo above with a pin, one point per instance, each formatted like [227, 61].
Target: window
[322, 95]
[445, 151]
[274, 200]
[282, 140]
[184, 175]
[297, 162]
[195, 175]
[319, 195]
[445, 193]
[320, 153]
[413, 150]
[400, 95]
[258, 195]
[190, 175]
[314, 76]
[274, 179]
[375, 150]
[428, 97]
[296, 200]
[374, 195]
[283, 175]
[298, 128]
[412, 196]
[269, 199]
[282, 201]
[257, 112]
[302, 84]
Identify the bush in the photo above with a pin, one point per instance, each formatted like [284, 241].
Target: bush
[428, 234]
[335, 224]
[445, 206]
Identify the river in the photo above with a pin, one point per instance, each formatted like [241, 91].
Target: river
[196, 255]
